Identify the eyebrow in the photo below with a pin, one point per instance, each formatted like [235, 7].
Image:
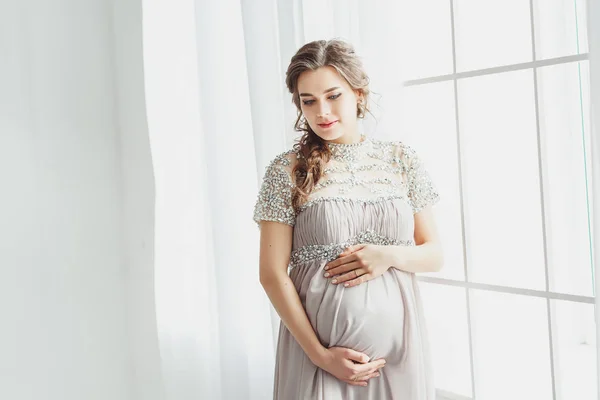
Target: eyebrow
[328, 90]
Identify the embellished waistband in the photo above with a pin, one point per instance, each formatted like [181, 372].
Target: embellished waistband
[330, 252]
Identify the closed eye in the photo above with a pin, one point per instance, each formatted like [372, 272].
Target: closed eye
[333, 97]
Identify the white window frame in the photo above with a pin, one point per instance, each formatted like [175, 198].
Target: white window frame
[593, 9]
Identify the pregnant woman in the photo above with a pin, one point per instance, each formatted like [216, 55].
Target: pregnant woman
[346, 222]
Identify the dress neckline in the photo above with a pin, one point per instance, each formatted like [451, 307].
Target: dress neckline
[350, 152]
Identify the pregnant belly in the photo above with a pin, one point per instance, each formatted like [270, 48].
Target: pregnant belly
[368, 318]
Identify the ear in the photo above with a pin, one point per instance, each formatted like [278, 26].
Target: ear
[359, 95]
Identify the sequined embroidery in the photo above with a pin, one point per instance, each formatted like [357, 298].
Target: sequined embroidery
[421, 190]
[352, 152]
[353, 181]
[352, 168]
[330, 252]
[376, 170]
[274, 202]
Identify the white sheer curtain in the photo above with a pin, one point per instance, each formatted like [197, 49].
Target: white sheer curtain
[218, 110]
[213, 320]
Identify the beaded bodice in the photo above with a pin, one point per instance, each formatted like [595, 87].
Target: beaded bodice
[368, 171]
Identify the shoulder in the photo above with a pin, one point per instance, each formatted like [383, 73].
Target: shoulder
[396, 150]
[274, 201]
[285, 159]
[280, 167]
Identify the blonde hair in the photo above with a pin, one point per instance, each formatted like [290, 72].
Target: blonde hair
[312, 152]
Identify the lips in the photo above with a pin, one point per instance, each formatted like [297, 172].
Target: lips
[327, 124]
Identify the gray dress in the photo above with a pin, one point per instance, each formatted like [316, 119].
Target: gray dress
[368, 194]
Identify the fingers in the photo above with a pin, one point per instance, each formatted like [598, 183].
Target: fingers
[341, 261]
[351, 249]
[355, 383]
[365, 378]
[367, 368]
[354, 355]
[353, 278]
[362, 380]
[344, 268]
[357, 281]
[363, 370]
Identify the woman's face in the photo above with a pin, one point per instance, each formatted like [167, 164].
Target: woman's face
[329, 104]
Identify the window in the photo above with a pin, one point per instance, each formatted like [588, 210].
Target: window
[502, 89]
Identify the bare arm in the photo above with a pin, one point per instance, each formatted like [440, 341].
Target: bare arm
[427, 255]
[275, 249]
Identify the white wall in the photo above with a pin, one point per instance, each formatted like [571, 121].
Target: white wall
[593, 8]
[76, 199]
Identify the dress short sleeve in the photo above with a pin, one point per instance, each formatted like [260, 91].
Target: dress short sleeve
[274, 202]
[422, 192]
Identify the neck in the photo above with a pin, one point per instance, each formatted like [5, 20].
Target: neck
[348, 139]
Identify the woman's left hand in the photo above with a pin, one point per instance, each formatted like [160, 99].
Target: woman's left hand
[358, 264]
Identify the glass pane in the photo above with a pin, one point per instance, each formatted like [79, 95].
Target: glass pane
[435, 139]
[491, 33]
[446, 314]
[425, 37]
[563, 104]
[560, 28]
[501, 180]
[574, 340]
[511, 346]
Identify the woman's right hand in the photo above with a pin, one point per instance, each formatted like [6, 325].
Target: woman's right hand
[350, 366]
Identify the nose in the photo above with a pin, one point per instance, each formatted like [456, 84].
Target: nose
[324, 109]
